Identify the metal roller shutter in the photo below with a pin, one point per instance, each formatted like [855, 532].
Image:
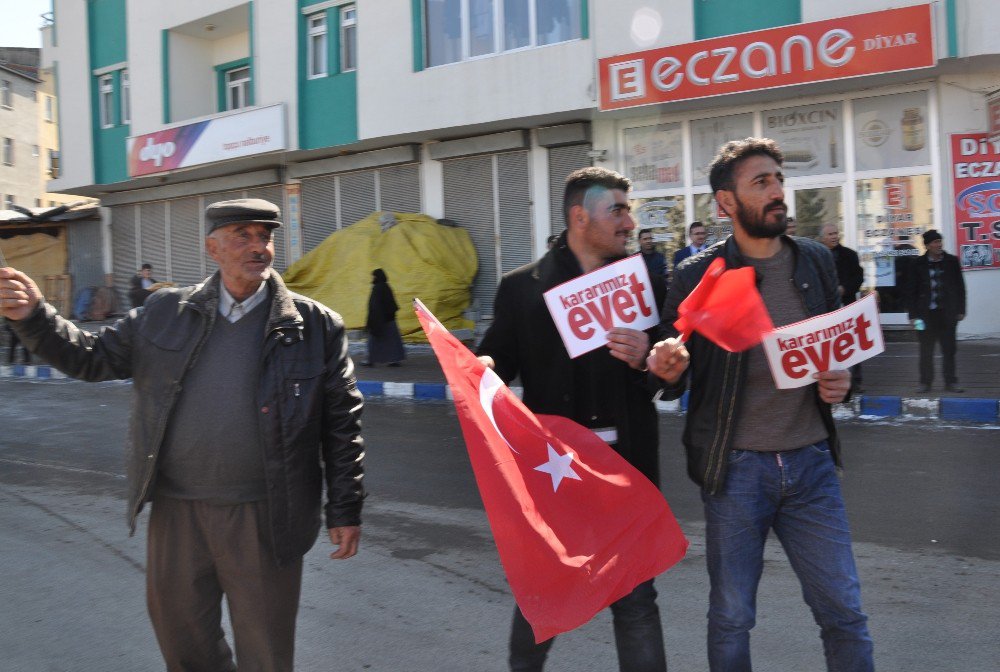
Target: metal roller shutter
[275, 195]
[124, 258]
[319, 210]
[86, 266]
[357, 196]
[514, 182]
[399, 188]
[468, 200]
[153, 238]
[185, 241]
[562, 162]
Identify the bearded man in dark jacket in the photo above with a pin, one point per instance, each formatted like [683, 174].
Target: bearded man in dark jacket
[605, 390]
[244, 403]
[765, 458]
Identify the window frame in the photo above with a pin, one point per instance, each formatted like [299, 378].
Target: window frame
[50, 108]
[499, 31]
[106, 100]
[7, 152]
[316, 33]
[125, 85]
[6, 94]
[52, 169]
[348, 22]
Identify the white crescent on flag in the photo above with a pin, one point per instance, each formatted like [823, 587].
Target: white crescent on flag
[489, 385]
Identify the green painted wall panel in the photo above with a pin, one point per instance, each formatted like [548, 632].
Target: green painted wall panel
[713, 18]
[328, 106]
[107, 40]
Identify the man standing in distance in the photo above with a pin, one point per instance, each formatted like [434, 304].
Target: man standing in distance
[849, 277]
[656, 263]
[765, 458]
[697, 234]
[605, 390]
[935, 293]
[244, 403]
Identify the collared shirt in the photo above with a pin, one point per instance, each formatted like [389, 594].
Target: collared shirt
[231, 310]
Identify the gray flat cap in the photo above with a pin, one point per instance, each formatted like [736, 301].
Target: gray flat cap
[241, 211]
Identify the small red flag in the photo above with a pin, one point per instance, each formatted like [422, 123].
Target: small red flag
[576, 526]
[725, 308]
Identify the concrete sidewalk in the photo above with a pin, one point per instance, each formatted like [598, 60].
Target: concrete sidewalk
[889, 390]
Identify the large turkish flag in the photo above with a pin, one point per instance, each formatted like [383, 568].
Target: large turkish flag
[576, 526]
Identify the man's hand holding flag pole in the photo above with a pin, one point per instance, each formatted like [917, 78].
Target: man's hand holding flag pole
[576, 526]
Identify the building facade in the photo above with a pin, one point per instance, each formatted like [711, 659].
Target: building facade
[475, 111]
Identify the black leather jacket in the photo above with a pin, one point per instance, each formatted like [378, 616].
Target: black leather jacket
[717, 376]
[310, 407]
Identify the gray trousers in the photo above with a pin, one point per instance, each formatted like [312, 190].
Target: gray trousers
[198, 552]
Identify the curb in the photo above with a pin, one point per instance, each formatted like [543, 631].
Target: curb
[865, 407]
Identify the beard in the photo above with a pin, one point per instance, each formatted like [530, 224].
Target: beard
[756, 225]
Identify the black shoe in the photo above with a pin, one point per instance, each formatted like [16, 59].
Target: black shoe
[923, 388]
[951, 387]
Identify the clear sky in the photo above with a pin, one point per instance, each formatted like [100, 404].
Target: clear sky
[20, 21]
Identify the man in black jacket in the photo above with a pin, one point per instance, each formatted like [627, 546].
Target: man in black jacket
[765, 458]
[850, 276]
[244, 403]
[935, 298]
[605, 389]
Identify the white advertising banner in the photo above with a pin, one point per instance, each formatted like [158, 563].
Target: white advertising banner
[833, 341]
[231, 136]
[586, 308]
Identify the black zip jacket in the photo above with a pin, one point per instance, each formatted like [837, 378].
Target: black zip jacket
[310, 407]
[717, 376]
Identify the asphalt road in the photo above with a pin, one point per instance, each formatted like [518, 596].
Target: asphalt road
[427, 593]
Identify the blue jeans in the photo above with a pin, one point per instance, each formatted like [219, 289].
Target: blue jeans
[638, 636]
[797, 493]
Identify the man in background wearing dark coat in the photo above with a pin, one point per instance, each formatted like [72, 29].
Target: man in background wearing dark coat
[850, 276]
[605, 390]
[697, 234]
[935, 300]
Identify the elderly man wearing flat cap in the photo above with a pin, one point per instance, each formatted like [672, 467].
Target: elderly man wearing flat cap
[245, 403]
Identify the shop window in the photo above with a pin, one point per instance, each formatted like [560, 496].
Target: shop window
[6, 93]
[891, 132]
[810, 136]
[457, 30]
[708, 135]
[654, 157]
[348, 38]
[665, 218]
[317, 54]
[8, 151]
[106, 100]
[126, 88]
[892, 213]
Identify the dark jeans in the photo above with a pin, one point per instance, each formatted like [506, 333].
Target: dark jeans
[938, 328]
[797, 494]
[638, 636]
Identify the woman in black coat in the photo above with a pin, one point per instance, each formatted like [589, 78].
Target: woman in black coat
[384, 342]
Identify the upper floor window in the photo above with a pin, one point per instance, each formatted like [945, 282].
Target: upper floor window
[348, 38]
[8, 200]
[237, 88]
[106, 100]
[8, 151]
[6, 93]
[317, 49]
[126, 87]
[461, 29]
[53, 167]
[50, 111]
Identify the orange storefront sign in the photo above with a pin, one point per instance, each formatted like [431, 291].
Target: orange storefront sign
[852, 46]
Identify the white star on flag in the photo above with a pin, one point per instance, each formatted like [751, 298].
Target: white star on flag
[558, 467]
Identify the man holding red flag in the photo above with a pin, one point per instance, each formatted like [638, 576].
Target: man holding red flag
[764, 458]
[605, 390]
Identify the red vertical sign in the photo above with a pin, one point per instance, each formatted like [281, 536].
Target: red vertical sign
[975, 173]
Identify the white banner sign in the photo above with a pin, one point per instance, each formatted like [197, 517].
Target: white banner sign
[586, 308]
[836, 340]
